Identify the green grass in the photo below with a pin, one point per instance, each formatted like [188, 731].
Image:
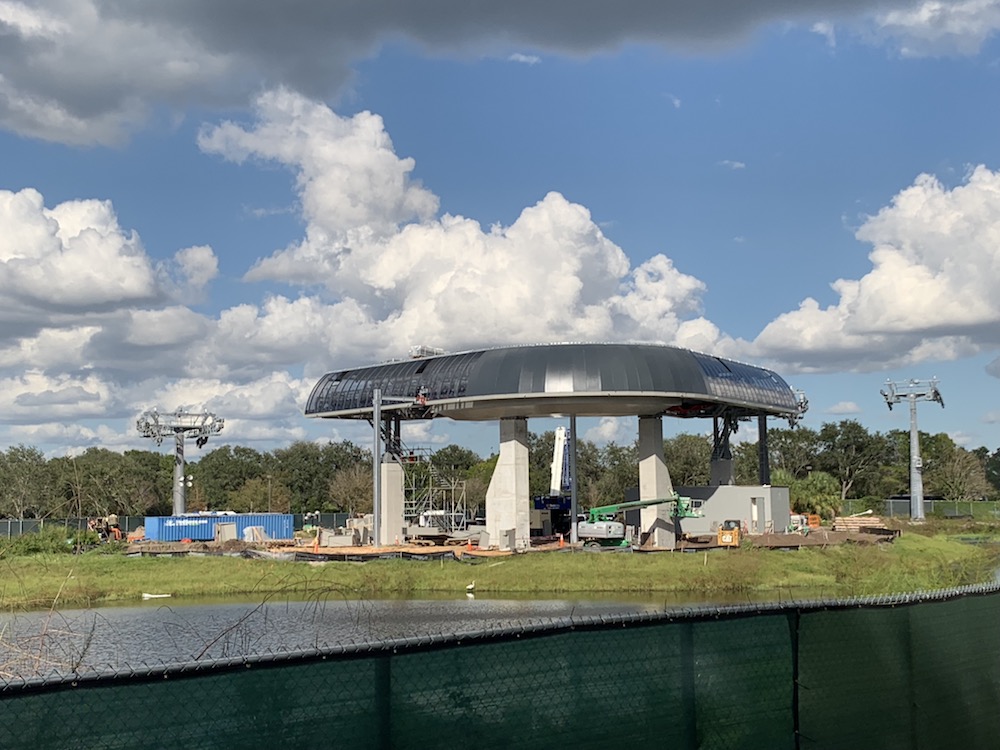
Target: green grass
[913, 562]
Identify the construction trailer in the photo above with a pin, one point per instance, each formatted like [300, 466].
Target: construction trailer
[202, 527]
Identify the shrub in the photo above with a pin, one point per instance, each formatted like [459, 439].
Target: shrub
[46, 541]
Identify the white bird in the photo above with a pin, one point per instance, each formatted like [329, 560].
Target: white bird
[471, 587]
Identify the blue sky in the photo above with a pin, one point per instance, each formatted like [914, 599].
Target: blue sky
[208, 206]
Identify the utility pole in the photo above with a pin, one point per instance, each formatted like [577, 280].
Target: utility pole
[913, 391]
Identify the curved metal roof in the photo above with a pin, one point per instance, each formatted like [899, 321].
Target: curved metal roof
[590, 380]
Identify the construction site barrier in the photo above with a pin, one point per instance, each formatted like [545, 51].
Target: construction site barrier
[914, 671]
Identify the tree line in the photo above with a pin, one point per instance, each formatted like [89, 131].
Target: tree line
[821, 467]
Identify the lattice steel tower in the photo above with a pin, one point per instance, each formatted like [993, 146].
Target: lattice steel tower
[157, 426]
[913, 391]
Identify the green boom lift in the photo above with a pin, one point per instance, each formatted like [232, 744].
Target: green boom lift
[601, 528]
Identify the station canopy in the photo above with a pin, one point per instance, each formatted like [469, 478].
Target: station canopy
[555, 380]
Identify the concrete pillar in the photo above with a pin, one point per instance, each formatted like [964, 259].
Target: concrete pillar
[654, 482]
[507, 499]
[391, 515]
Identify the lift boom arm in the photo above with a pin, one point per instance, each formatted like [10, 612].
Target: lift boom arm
[682, 508]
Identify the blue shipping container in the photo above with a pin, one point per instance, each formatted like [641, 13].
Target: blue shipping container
[201, 528]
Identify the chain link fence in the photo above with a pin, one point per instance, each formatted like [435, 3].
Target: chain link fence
[980, 510]
[916, 671]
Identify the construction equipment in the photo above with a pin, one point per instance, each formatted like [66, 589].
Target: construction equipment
[729, 534]
[552, 514]
[601, 528]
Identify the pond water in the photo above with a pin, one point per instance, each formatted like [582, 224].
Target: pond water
[164, 631]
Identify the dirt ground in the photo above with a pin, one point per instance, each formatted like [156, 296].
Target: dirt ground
[817, 538]
[157, 548]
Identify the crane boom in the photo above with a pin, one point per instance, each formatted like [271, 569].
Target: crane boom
[560, 481]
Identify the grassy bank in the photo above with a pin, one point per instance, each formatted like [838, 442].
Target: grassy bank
[913, 562]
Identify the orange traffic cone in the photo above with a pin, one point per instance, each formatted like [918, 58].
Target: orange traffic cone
[561, 542]
[468, 544]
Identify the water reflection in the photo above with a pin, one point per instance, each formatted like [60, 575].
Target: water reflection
[165, 631]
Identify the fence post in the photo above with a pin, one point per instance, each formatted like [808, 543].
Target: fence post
[383, 703]
[794, 617]
[689, 699]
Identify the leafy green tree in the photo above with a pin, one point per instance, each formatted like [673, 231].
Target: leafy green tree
[746, 463]
[350, 491]
[259, 495]
[588, 468]
[947, 469]
[26, 484]
[150, 479]
[959, 475]
[991, 466]
[454, 461]
[935, 450]
[620, 473]
[108, 483]
[794, 449]
[688, 459]
[225, 470]
[477, 482]
[818, 492]
[851, 454]
[307, 469]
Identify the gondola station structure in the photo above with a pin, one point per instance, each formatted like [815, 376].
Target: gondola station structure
[511, 385]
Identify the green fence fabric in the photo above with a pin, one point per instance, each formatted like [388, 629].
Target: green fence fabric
[920, 671]
[919, 676]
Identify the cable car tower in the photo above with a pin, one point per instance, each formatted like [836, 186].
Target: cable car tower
[157, 426]
[913, 391]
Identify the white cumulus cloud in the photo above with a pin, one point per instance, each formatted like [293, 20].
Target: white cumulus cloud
[399, 275]
[929, 293]
[844, 407]
[940, 27]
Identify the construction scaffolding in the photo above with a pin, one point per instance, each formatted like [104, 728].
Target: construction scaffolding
[433, 500]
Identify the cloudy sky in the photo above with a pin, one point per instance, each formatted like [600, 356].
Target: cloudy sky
[209, 205]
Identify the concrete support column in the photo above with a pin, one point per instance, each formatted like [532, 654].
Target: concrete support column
[391, 516]
[654, 482]
[507, 499]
